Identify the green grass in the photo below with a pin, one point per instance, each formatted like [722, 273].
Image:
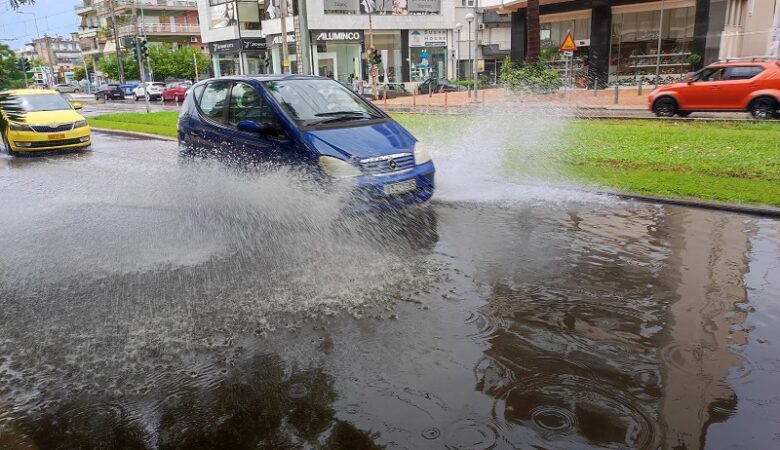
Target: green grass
[160, 123]
[736, 162]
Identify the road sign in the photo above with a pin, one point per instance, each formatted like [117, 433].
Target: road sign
[568, 44]
[568, 54]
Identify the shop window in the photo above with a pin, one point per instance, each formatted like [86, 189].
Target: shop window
[250, 13]
[428, 62]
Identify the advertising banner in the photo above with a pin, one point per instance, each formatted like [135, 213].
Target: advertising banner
[224, 15]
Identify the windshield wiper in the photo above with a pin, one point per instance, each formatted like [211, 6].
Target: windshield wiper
[350, 113]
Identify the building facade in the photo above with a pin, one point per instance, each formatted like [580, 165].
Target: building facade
[58, 55]
[172, 22]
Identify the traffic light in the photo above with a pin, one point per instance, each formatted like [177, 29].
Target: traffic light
[373, 56]
[143, 48]
[27, 65]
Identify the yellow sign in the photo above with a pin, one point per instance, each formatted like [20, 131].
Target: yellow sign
[568, 44]
[286, 63]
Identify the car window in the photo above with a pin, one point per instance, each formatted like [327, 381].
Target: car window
[742, 72]
[212, 102]
[311, 100]
[245, 104]
[711, 74]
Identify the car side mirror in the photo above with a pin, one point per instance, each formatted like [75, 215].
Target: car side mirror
[77, 106]
[689, 80]
[252, 126]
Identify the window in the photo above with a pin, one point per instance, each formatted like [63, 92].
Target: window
[712, 74]
[742, 72]
[313, 100]
[212, 102]
[245, 104]
[466, 2]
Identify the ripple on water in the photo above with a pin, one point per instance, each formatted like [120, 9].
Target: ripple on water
[471, 435]
[570, 408]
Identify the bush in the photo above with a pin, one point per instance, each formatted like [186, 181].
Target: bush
[481, 83]
[535, 77]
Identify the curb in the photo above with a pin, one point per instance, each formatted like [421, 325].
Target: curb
[762, 211]
[135, 134]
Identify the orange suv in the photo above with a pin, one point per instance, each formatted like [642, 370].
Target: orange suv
[747, 85]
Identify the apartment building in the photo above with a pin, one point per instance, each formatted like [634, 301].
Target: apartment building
[58, 54]
[173, 22]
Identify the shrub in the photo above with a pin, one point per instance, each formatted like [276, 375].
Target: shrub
[534, 77]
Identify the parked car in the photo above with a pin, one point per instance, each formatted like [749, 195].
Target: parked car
[67, 88]
[746, 85]
[153, 90]
[393, 90]
[109, 92]
[311, 122]
[127, 88]
[438, 85]
[50, 123]
[176, 91]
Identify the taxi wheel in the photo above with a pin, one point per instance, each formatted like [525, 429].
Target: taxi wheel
[764, 108]
[665, 107]
[8, 146]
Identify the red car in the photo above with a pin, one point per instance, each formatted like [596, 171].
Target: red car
[176, 91]
[751, 85]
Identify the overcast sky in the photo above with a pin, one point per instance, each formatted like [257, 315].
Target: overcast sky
[53, 16]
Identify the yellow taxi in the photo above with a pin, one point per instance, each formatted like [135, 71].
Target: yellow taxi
[50, 123]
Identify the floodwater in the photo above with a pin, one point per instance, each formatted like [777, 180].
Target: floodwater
[146, 304]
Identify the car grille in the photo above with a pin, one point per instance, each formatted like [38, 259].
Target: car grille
[55, 129]
[382, 165]
[54, 143]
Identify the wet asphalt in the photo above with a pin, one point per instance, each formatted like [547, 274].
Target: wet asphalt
[148, 303]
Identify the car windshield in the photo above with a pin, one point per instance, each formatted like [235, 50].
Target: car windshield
[43, 102]
[310, 102]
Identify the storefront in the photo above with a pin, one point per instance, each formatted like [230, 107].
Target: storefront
[256, 58]
[634, 54]
[225, 57]
[338, 54]
[274, 42]
[427, 54]
[388, 43]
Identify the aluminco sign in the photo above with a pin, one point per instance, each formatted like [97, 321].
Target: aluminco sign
[344, 35]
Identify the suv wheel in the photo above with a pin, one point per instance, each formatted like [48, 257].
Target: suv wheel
[764, 108]
[665, 107]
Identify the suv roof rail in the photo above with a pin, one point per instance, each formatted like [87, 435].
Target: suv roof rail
[749, 59]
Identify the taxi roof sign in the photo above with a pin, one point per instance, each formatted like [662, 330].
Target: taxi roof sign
[568, 44]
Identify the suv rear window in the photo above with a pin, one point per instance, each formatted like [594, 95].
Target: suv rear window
[742, 72]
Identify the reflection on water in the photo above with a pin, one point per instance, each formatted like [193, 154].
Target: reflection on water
[207, 317]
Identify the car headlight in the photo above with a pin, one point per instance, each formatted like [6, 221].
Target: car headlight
[80, 123]
[18, 126]
[421, 155]
[338, 168]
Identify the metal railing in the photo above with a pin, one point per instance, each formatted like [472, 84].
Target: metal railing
[161, 28]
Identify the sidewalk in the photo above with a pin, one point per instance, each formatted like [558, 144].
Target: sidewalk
[627, 99]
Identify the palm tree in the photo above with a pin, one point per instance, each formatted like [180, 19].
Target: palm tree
[15, 4]
[532, 27]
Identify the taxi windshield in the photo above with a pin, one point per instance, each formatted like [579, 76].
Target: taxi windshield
[43, 102]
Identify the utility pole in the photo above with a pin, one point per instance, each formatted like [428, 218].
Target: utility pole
[476, 33]
[372, 70]
[119, 64]
[285, 51]
[774, 38]
[304, 56]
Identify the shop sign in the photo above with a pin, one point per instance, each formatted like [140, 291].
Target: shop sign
[231, 46]
[424, 6]
[253, 44]
[276, 39]
[427, 38]
[337, 35]
[384, 7]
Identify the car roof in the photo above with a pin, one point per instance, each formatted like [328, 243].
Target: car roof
[18, 92]
[746, 62]
[268, 77]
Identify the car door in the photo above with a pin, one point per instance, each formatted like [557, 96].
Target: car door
[738, 84]
[247, 103]
[210, 133]
[705, 91]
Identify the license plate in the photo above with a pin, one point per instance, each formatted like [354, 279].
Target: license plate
[57, 136]
[400, 187]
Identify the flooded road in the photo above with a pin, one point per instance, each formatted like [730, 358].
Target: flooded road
[145, 304]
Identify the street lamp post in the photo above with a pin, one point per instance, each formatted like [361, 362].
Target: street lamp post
[469, 19]
[458, 27]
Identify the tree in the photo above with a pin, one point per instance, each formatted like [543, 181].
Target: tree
[108, 66]
[15, 4]
[79, 73]
[533, 28]
[179, 63]
[9, 67]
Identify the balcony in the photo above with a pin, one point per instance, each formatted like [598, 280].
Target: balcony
[84, 8]
[160, 29]
[175, 5]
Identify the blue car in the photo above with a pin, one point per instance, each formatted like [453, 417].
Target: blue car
[127, 88]
[312, 122]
